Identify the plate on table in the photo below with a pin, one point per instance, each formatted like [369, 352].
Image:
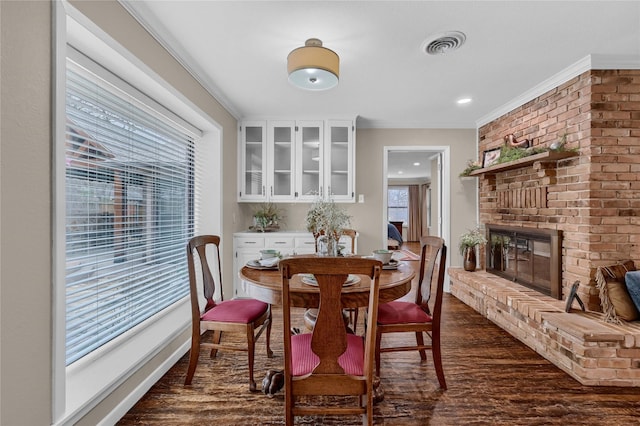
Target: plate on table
[392, 265]
[255, 264]
[311, 280]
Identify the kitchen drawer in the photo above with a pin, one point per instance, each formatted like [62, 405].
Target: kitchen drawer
[279, 242]
[306, 242]
[249, 242]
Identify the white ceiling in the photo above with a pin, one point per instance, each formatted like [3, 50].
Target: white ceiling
[238, 51]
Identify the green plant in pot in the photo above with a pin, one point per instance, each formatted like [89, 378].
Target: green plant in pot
[267, 217]
[468, 243]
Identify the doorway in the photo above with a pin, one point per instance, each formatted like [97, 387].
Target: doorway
[428, 169]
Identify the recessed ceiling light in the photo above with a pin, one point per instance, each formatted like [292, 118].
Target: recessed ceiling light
[400, 172]
[416, 164]
[463, 101]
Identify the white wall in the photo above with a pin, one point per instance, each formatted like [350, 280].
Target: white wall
[367, 217]
[25, 214]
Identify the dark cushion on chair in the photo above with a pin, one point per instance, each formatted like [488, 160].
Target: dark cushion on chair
[236, 310]
[401, 313]
[303, 360]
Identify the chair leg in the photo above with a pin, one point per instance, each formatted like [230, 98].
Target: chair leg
[354, 318]
[193, 357]
[378, 341]
[250, 349]
[217, 336]
[288, 405]
[420, 342]
[268, 337]
[437, 360]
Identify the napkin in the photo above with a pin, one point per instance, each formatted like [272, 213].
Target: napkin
[270, 262]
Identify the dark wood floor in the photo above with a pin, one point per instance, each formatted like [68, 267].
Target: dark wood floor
[492, 378]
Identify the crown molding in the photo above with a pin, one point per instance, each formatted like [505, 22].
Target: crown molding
[140, 13]
[590, 62]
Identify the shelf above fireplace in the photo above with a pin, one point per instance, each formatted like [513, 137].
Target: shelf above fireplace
[544, 157]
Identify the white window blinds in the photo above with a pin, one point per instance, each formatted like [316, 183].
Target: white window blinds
[129, 210]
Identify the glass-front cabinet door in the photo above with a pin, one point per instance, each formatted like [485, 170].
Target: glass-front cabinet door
[281, 160]
[253, 160]
[339, 164]
[309, 148]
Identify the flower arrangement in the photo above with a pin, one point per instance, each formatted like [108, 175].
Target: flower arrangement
[327, 217]
[471, 166]
[471, 239]
[267, 217]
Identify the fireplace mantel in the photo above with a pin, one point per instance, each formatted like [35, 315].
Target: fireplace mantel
[544, 157]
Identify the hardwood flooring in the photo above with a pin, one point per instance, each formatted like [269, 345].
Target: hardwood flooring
[492, 379]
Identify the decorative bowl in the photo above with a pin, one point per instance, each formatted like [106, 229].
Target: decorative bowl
[383, 256]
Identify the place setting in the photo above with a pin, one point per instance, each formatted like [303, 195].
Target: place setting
[386, 257]
[269, 259]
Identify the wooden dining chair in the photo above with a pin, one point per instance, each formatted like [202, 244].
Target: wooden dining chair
[329, 361]
[422, 315]
[243, 316]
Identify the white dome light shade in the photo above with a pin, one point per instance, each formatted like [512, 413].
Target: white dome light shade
[313, 67]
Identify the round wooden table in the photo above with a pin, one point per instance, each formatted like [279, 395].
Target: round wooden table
[266, 285]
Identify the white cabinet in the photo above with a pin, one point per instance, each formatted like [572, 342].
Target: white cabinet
[253, 161]
[289, 161]
[340, 161]
[247, 246]
[281, 160]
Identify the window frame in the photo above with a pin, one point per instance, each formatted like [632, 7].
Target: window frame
[164, 338]
[406, 207]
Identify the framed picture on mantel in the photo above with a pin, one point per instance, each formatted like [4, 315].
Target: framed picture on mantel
[490, 157]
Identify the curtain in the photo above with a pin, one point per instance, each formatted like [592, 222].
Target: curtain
[414, 231]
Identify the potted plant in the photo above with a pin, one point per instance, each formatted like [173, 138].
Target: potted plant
[468, 243]
[266, 218]
[326, 218]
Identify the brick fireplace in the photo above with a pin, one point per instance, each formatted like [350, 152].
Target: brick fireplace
[591, 195]
[528, 256]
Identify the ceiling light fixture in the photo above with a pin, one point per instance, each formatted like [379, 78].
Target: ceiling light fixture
[463, 101]
[313, 67]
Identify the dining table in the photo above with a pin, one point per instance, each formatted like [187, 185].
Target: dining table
[265, 284]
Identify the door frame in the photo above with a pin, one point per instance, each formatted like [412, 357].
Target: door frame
[444, 190]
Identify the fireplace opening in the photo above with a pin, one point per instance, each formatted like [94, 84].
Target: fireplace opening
[529, 257]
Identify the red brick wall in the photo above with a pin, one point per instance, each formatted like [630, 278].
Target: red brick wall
[593, 198]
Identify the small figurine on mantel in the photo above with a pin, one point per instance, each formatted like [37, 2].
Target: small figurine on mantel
[511, 141]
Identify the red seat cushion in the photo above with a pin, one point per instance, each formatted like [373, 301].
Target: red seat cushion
[303, 360]
[401, 313]
[241, 311]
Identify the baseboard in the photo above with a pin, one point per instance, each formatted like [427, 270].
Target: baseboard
[127, 403]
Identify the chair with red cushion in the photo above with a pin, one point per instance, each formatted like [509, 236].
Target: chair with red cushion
[421, 316]
[329, 361]
[243, 316]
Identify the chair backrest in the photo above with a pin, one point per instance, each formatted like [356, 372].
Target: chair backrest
[433, 256]
[351, 233]
[329, 339]
[201, 247]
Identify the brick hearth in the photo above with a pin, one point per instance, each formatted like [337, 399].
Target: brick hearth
[580, 343]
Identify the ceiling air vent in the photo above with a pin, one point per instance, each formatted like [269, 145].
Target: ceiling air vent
[440, 44]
